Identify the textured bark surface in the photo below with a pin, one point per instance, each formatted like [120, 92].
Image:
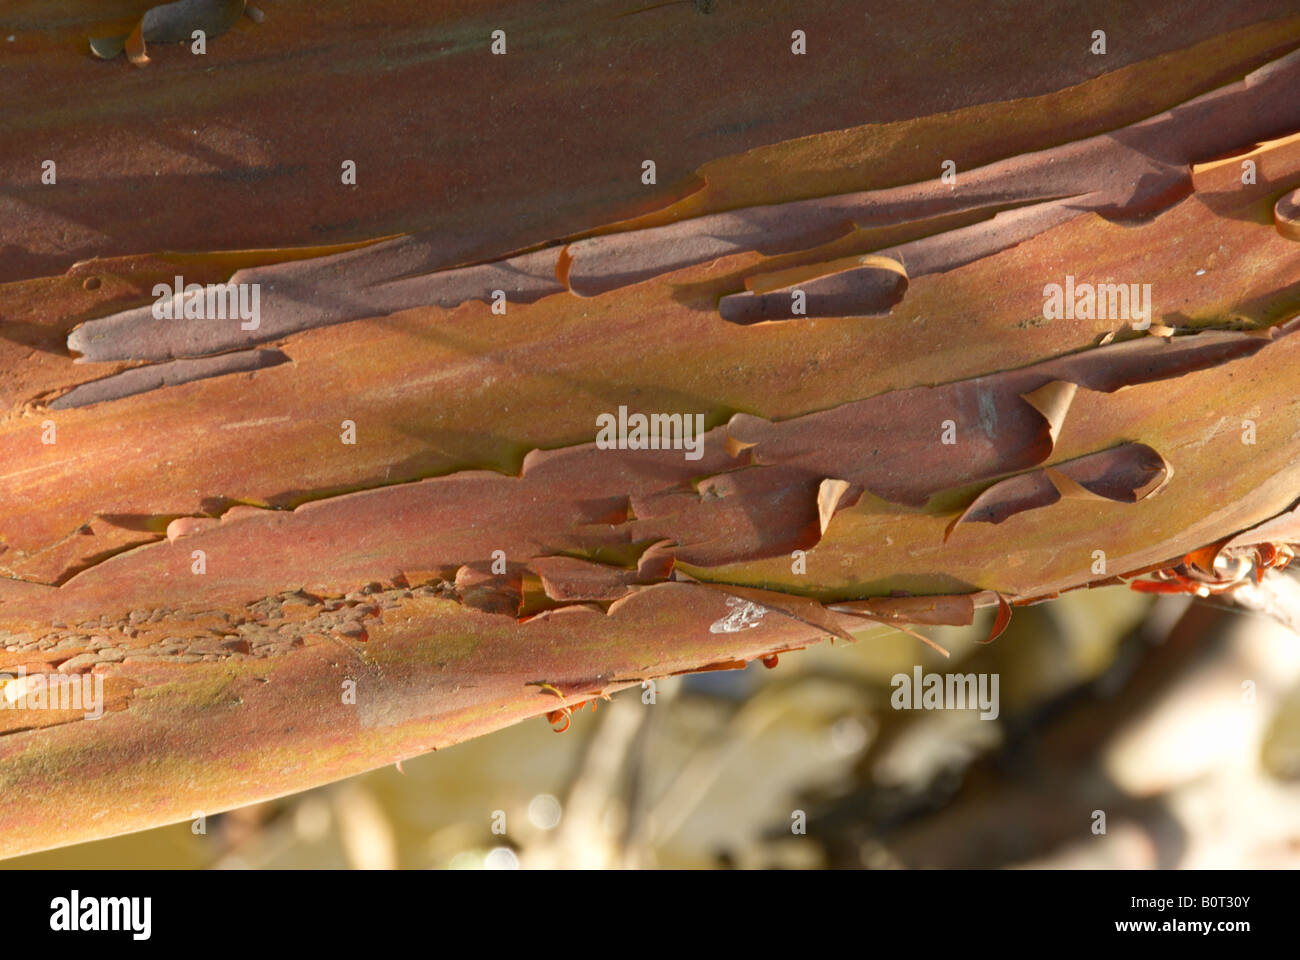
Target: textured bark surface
[181, 517]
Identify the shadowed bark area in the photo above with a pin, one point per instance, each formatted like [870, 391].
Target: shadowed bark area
[380, 515]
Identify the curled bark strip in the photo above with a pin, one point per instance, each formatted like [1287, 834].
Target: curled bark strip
[1283, 528]
[1131, 172]
[1286, 215]
[830, 498]
[299, 295]
[896, 451]
[569, 579]
[604, 263]
[957, 610]
[1124, 474]
[1000, 621]
[522, 279]
[1127, 173]
[1053, 402]
[1147, 360]
[894, 622]
[736, 447]
[173, 23]
[135, 46]
[999, 428]
[143, 379]
[871, 289]
[188, 526]
[657, 562]
[747, 513]
[876, 287]
[484, 590]
[888, 444]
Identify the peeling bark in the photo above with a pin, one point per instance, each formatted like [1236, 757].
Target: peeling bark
[399, 494]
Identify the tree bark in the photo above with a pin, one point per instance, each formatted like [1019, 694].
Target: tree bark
[379, 516]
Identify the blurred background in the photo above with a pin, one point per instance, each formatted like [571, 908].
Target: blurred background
[1178, 719]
